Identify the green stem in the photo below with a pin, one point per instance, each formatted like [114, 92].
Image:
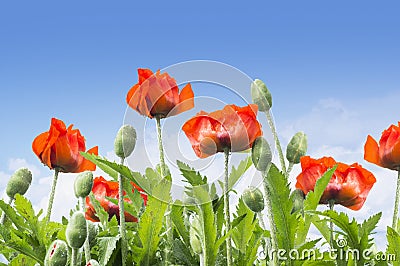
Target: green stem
[277, 142]
[396, 202]
[290, 168]
[74, 257]
[52, 194]
[201, 257]
[86, 245]
[331, 206]
[122, 230]
[226, 209]
[3, 215]
[268, 203]
[168, 222]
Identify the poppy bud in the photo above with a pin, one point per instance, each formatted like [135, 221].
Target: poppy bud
[92, 263]
[297, 197]
[261, 154]
[93, 230]
[76, 231]
[57, 254]
[19, 182]
[261, 95]
[195, 228]
[125, 141]
[83, 184]
[254, 199]
[296, 148]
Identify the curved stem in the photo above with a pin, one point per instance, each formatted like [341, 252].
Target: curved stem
[277, 142]
[226, 209]
[74, 257]
[122, 231]
[396, 202]
[52, 194]
[86, 245]
[3, 215]
[168, 222]
[274, 241]
[331, 206]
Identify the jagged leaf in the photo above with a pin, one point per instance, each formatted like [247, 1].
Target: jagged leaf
[107, 245]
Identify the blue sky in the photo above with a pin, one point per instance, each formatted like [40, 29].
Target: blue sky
[332, 66]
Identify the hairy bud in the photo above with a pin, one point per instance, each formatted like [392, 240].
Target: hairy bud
[261, 154]
[296, 148]
[261, 95]
[125, 141]
[19, 182]
[254, 199]
[76, 231]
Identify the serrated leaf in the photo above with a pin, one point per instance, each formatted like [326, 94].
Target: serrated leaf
[285, 222]
[193, 177]
[100, 212]
[393, 245]
[107, 245]
[237, 173]
[96, 159]
[11, 214]
[243, 232]
[182, 253]
[178, 221]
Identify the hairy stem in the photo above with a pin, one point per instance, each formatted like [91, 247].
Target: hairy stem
[86, 245]
[52, 194]
[226, 209]
[268, 203]
[74, 257]
[277, 142]
[331, 206]
[396, 202]
[168, 222]
[122, 231]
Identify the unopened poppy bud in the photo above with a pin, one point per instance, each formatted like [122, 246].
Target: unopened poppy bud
[125, 141]
[92, 263]
[254, 199]
[261, 154]
[297, 197]
[83, 184]
[57, 254]
[195, 228]
[19, 182]
[76, 231]
[296, 148]
[261, 95]
[93, 230]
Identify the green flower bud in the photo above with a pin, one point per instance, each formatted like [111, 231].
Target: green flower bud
[92, 263]
[261, 95]
[261, 154]
[76, 231]
[93, 230]
[296, 148]
[57, 254]
[254, 199]
[195, 242]
[83, 184]
[19, 182]
[125, 141]
[297, 197]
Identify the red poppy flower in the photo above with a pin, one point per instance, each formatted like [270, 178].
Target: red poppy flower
[60, 148]
[233, 127]
[102, 189]
[349, 185]
[158, 94]
[387, 153]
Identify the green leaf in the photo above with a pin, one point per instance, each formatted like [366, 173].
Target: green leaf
[107, 245]
[182, 253]
[237, 173]
[100, 212]
[177, 215]
[243, 232]
[393, 245]
[151, 222]
[191, 175]
[11, 214]
[103, 166]
[281, 204]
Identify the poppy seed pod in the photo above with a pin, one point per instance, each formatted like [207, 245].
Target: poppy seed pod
[125, 141]
[261, 154]
[92, 263]
[19, 182]
[76, 231]
[254, 199]
[296, 148]
[57, 254]
[83, 184]
[297, 197]
[261, 95]
[195, 228]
